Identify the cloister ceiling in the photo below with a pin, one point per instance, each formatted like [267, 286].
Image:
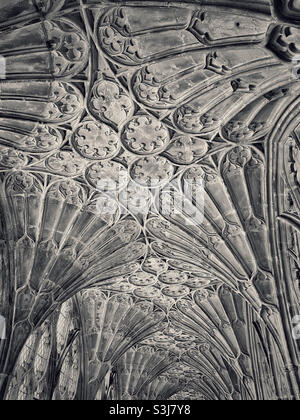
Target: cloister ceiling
[149, 165]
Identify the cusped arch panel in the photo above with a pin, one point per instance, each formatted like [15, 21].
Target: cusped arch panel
[46, 101]
[59, 49]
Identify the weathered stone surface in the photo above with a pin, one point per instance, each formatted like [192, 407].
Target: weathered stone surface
[150, 200]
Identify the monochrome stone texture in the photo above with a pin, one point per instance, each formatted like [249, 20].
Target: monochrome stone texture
[150, 200]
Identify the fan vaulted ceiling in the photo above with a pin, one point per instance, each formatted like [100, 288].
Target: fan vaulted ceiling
[149, 165]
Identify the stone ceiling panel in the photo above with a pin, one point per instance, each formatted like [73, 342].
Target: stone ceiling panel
[149, 168]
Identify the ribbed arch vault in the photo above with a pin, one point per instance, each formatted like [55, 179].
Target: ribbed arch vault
[149, 200]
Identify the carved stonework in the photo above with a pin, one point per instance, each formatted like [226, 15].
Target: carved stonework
[284, 41]
[150, 200]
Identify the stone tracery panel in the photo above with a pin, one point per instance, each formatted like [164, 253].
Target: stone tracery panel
[154, 99]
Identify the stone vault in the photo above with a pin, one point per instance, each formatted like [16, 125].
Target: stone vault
[117, 281]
